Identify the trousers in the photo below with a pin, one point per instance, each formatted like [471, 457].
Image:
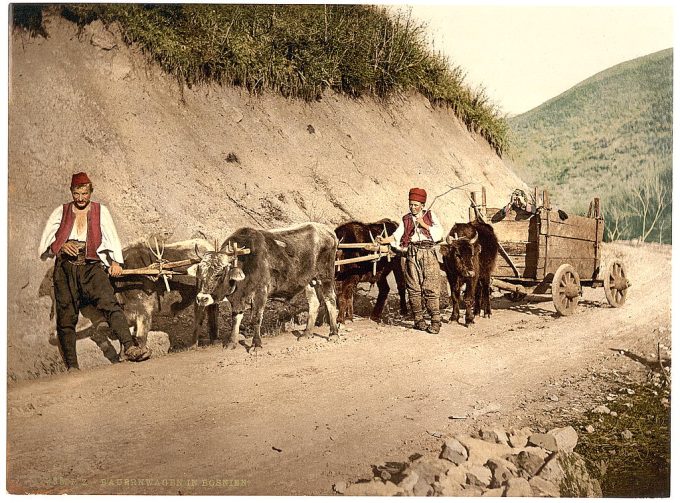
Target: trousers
[423, 282]
[79, 285]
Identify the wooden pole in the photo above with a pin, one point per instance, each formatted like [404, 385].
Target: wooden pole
[596, 214]
[508, 287]
[165, 265]
[147, 271]
[484, 201]
[473, 202]
[546, 209]
[354, 260]
[536, 198]
[364, 246]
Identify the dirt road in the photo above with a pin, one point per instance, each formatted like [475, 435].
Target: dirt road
[302, 415]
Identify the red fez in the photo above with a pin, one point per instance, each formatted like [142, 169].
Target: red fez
[79, 179]
[417, 194]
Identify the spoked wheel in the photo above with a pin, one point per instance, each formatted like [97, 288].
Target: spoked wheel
[566, 288]
[616, 284]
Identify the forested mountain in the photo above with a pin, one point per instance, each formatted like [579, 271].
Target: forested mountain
[609, 136]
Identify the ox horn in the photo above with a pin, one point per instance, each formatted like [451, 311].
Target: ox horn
[449, 239]
[455, 236]
[198, 253]
[474, 239]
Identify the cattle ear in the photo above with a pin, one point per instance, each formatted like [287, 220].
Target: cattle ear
[236, 274]
[193, 270]
[444, 249]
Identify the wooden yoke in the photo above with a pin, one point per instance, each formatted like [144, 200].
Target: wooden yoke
[236, 252]
[159, 268]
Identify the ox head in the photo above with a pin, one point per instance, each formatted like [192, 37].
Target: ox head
[217, 274]
[464, 252]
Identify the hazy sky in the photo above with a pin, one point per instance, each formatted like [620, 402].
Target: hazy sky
[524, 55]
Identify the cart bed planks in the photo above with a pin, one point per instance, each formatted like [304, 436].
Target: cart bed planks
[539, 243]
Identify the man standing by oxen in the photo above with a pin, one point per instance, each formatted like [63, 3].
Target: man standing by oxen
[83, 238]
[418, 232]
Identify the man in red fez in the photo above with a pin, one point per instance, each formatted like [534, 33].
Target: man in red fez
[82, 237]
[417, 234]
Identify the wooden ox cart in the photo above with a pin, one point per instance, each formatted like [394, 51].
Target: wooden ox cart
[544, 249]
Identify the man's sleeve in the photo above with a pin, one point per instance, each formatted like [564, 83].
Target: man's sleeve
[49, 233]
[398, 234]
[110, 241]
[436, 230]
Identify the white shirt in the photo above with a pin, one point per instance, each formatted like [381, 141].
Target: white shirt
[110, 249]
[436, 231]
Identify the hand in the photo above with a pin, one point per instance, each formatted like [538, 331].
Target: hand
[70, 249]
[421, 222]
[115, 270]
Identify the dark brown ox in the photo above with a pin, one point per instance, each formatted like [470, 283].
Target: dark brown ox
[461, 265]
[488, 253]
[141, 296]
[350, 275]
[281, 264]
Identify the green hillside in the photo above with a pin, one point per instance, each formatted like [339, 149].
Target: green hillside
[609, 136]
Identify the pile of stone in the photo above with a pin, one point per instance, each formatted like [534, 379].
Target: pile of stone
[493, 463]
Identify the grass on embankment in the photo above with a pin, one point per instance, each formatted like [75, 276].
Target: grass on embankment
[296, 50]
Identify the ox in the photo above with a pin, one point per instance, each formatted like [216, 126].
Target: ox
[281, 264]
[141, 296]
[461, 267]
[350, 275]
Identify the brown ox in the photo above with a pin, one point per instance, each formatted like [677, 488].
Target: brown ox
[281, 263]
[461, 266]
[350, 275]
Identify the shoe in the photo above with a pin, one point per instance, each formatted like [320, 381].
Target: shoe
[420, 325]
[434, 328]
[137, 354]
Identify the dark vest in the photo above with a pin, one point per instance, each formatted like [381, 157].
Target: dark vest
[94, 230]
[410, 228]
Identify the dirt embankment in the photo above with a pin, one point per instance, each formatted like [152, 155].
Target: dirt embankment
[204, 161]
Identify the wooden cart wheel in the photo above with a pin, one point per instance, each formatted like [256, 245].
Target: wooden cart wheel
[616, 284]
[566, 288]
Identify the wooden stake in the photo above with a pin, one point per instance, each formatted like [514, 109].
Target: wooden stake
[473, 203]
[484, 201]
